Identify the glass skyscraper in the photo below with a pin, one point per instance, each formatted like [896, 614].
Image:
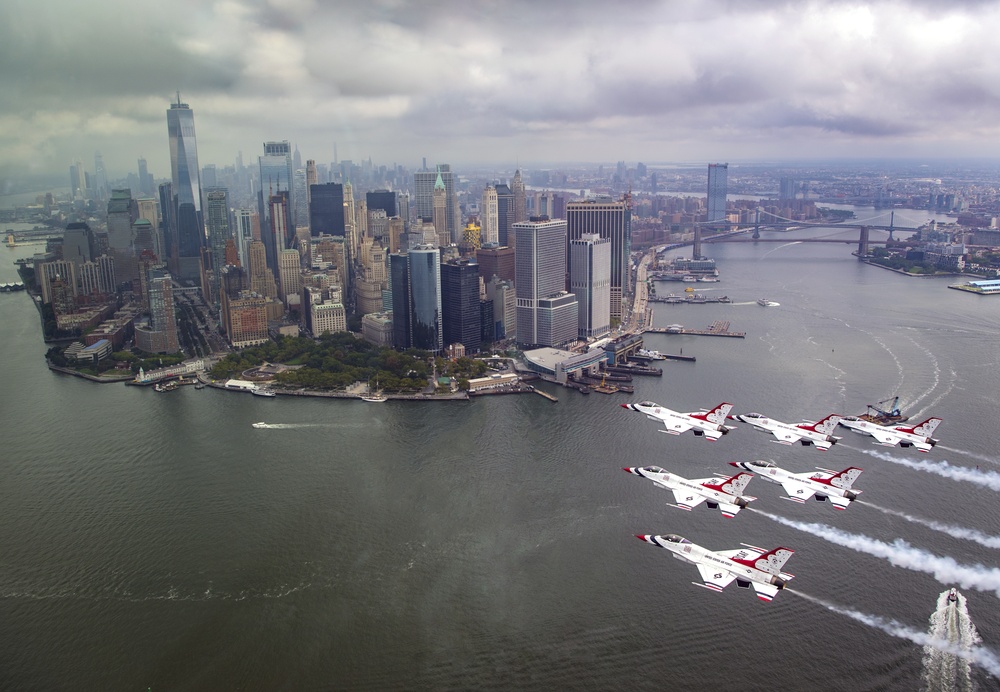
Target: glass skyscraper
[425, 298]
[611, 220]
[715, 203]
[185, 173]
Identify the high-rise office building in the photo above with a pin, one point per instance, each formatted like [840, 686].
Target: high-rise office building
[399, 284]
[425, 298]
[312, 178]
[715, 203]
[460, 317]
[439, 214]
[546, 313]
[520, 201]
[122, 213]
[219, 232]
[590, 281]
[247, 228]
[611, 220]
[79, 243]
[489, 219]
[300, 216]
[161, 336]
[787, 189]
[100, 182]
[424, 183]
[261, 278]
[146, 184]
[382, 199]
[290, 275]
[280, 232]
[187, 233]
[505, 213]
[495, 260]
[326, 210]
[77, 180]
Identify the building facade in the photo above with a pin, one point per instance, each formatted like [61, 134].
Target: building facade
[590, 281]
[186, 237]
[612, 220]
[540, 281]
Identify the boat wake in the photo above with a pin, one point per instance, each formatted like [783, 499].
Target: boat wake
[946, 668]
[291, 426]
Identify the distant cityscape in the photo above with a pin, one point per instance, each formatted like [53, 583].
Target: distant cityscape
[454, 263]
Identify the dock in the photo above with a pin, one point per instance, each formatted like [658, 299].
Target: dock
[548, 396]
[717, 328]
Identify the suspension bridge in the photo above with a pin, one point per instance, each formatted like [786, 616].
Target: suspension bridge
[740, 234]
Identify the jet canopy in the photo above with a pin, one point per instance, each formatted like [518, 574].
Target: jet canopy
[654, 469]
[754, 415]
[767, 464]
[648, 403]
[674, 538]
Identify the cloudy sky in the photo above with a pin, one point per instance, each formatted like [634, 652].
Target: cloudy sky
[499, 81]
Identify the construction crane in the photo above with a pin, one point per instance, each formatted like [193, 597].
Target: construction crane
[884, 412]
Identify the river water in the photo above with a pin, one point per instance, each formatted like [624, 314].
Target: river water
[158, 541]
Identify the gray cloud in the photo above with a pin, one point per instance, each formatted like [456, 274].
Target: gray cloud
[568, 79]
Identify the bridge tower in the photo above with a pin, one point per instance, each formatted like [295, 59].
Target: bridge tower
[756, 226]
[696, 246]
[863, 243]
[892, 220]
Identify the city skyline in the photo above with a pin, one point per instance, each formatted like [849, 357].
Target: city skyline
[511, 83]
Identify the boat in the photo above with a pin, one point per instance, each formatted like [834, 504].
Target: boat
[651, 355]
[764, 302]
[689, 278]
[885, 412]
[374, 396]
[260, 391]
[953, 596]
[200, 385]
[707, 279]
[261, 424]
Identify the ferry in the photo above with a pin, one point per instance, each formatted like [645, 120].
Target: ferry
[651, 355]
[764, 302]
[262, 392]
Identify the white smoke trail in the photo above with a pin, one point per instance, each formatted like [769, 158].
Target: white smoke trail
[980, 655]
[978, 457]
[944, 670]
[987, 479]
[899, 553]
[952, 530]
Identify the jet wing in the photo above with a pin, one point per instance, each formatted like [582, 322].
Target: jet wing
[687, 499]
[785, 437]
[797, 492]
[716, 578]
[839, 502]
[765, 592]
[885, 437]
[729, 511]
[676, 427]
[713, 434]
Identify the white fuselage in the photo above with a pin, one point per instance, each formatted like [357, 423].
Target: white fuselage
[676, 423]
[888, 436]
[670, 481]
[780, 476]
[696, 555]
[786, 433]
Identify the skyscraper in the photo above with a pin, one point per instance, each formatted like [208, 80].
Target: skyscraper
[715, 203]
[505, 214]
[461, 317]
[490, 217]
[326, 210]
[546, 313]
[79, 243]
[399, 285]
[122, 212]
[186, 189]
[590, 281]
[611, 220]
[381, 199]
[247, 229]
[425, 298]
[440, 212]
[219, 231]
[423, 188]
[520, 202]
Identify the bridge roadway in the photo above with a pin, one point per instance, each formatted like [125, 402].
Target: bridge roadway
[745, 239]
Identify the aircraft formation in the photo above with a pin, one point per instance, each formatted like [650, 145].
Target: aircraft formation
[751, 566]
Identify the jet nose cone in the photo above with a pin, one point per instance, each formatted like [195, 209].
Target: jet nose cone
[623, 405]
[736, 464]
[640, 537]
[627, 469]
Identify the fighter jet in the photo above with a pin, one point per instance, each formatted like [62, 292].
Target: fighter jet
[918, 436]
[807, 433]
[749, 566]
[710, 424]
[720, 492]
[801, 486]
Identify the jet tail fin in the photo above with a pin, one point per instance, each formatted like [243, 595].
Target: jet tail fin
[734, 485]
[925, 429]
[825, 426]
[845, 479]
[773, 560]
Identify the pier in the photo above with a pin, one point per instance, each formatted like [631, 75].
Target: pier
[717, 328]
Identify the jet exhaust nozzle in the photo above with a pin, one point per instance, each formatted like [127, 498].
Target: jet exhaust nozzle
[741, 503]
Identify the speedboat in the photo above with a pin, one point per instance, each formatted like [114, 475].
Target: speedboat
[953, 596]
[764, 302]
[261, 424]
